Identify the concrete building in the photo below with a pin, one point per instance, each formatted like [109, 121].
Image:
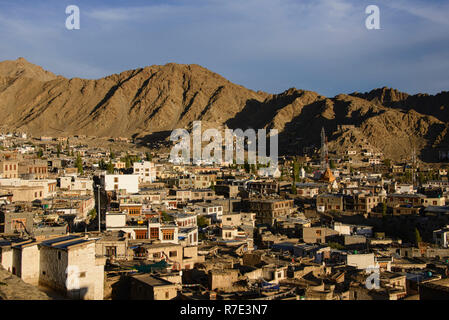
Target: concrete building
[151, 287]
[441, 237]
[16, 222]
[75, 183]
[222, 279]
[116, 182]
[361, 261]
[146, 171]
[9, 169]
[33, 169]
[317, 234]
[65, 264]
[268, 210]
[209, 209]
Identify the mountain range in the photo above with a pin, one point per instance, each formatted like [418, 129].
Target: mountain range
[148, 103]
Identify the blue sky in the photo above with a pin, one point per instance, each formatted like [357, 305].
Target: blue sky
[269, 45]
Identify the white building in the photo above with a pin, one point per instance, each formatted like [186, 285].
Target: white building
[341, 228]
[441, 237]
[67, 264]
[115, 220]
[116, 182]
[404, 188]
[360, 261]
[75, 183]
[146, 171]
[209, 209]
[189, 235]
[48, 185]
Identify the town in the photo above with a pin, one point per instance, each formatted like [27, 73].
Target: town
[110, 220]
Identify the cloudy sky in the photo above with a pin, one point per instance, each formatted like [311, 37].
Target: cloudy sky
[269, 45]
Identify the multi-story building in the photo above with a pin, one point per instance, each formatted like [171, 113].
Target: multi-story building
[317, 234]
[75, 183]
[34, 169]
[28, 190]
[263, 187]
[365, 203]
[9, 169]
[16, 222]
[209, 209]
[199, 181]
[268, 210]
[441, 237]
[116, 182]
[132, 210]
[394, 200]
[146, 171]
[333, 202]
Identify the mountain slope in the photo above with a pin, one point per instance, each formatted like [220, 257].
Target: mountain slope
[152, 101]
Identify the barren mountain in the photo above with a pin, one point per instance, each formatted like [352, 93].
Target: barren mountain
[150, 102]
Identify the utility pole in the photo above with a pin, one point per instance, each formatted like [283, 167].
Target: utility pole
[99, 209]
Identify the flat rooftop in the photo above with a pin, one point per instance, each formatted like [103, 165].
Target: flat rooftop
[152, 281]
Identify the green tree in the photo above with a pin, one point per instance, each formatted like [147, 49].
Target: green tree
[79, 163]
[384, 209]
[253, 169]
[92, 214]
[102, 165]
[294, 191]
[296, 168]
[202, 221]
[421, 178]
[336, 245]
[408, 177]
[58, 149]
[165, 217]
[148, 156]
[418, 238]
[110, 167]
[387, 163]
[332, 164]
[111, 154]
[40, 153]
[247, 167]
[127, 163]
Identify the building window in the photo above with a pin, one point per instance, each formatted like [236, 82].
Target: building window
[141, 234]
[111, 251]
[173, 254]
[168, 234]
[154, 233]
[82, 274]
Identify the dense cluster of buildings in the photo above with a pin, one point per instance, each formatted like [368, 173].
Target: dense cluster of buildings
[90, 223]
